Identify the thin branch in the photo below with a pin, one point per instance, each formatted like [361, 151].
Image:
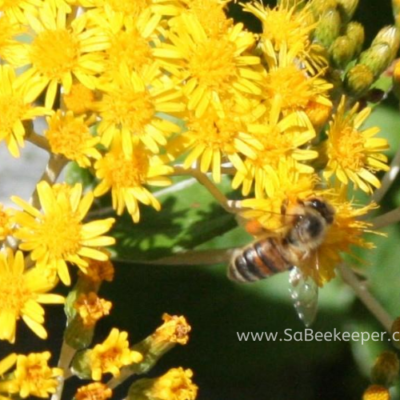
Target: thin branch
[39, 141]
[388, 179]
[125, 373]
[389, 218]
[53, 169]
[366, 297]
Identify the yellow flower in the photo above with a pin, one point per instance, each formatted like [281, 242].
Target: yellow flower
[93, 391]
[15, 109]
[112, 355]
[18, 10]
[10, 49]
[282, 140]
[91, 308]
[98, 271]
[354, 154]
[295, 87]
[285, 25]
[21, 291]
[376, 392]
[59, 52]
[8, 385]
[57, 235]
[130, 110]
[126, 175]
[5, 222]
[174, 330]
[35, 377]
[346, 231]
[80, 99]
[210, 67]
[176, 384]
[70, 136]
[218, 135]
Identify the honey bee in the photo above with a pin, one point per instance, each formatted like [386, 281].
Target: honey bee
[307, 225]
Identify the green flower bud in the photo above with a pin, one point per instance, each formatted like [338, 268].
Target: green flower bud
[347, 9]
[342, 51]
[355, 32]
[389, 35]
[377, 58]
[320, 7]
[358, 80]
[328, 27]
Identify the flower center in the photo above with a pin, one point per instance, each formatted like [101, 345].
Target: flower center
[213, 63]
[55, 53]
[13, 294]
[349, 149]
[130, 109]
[128, 7]
[61, 233]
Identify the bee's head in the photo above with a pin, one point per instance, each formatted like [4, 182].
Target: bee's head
[322, 207]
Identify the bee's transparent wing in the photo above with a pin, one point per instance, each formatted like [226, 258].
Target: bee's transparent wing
[304, 292]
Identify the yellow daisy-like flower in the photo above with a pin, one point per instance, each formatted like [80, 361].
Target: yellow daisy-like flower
[281, 141]
[93, 391]
[346, 231]
[126, 175]
[211, 67]
[219, 135]
[6, 227]
[354, 154]
[15, 108]
[35, 377]
[70, 136]
[285, 25]
[175, 384]
[18, 10]
[10, 48]
[296, 88]
[111, 355]
[21, 291]
[57, 235]
[59, 52]
[130, 110]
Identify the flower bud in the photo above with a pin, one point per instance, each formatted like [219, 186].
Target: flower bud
[376, 392]
[175, 384]
[96, 390]
[347, 9]
[320, 7]
[386, 369]
[358, 80]
[355, 31]
[328, 27]
[377, 58]
[389, 35]
[342, 51]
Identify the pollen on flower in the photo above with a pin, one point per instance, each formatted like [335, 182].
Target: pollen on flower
[57, 235]
[91, 308]
[35, 377]
[93, 391]
[20, 294]
[70, 136]
[111, 355]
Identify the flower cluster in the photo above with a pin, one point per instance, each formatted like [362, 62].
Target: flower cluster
[138, 92]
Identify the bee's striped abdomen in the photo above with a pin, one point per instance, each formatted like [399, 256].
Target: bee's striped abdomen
[257, 261]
